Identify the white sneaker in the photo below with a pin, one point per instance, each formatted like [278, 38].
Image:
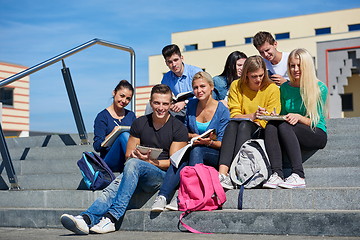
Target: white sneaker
[273, 182]
[104, 226]
[293, 181]
[159, 204]
[173, 205]
[76, 224]
[225, 181]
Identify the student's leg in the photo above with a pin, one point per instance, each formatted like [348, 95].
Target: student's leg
[228, 143]
[102, 204]
[245, 131]
[136, 173]
[171, 181]
[203, 154]
[273, 148]
[292, 147]
[295, 136]
[309, 139]
[115, 158]
[235, 135]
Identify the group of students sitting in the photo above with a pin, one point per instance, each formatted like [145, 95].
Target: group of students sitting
[253, 94]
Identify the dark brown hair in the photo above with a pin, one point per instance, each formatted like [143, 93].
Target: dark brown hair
[261, 37]
[169, 50]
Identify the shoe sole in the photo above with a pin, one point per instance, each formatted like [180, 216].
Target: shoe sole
[71, 225]
[291, 187]
[227, 186]
[96, 232]
[171, 208]
[157, 209]
[270, 186]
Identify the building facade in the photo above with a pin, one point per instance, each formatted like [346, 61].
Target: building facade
[15, 102]
[208, 48]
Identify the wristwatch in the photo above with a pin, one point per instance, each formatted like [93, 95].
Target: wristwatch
[186, 101]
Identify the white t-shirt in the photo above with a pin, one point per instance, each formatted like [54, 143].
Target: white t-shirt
[281, 67]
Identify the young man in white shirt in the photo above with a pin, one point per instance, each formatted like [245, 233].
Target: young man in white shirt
[276, 61]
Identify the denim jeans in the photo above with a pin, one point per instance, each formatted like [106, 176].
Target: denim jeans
[115, 158]
[116, 197]
[197, 154]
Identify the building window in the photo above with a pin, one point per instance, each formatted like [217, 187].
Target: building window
[7, 96]
[219, 44]
[248, 40]
[191, 47]
[354, 27]
[347, 102]
[279, 36]
[321, 31]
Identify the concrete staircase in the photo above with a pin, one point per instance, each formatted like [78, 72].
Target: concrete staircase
[51, 185]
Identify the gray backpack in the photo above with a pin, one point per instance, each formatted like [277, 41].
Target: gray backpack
[251, 166]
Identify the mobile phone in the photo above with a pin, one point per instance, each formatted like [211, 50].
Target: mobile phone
[270, 73]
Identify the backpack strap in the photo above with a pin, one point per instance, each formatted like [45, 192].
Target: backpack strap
[219, 190]
[184, 214]
[240, 198]
[241, 193]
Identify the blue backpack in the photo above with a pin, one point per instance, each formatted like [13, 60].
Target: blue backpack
[96, 173]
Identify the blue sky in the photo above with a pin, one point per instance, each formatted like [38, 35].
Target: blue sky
[34, 31]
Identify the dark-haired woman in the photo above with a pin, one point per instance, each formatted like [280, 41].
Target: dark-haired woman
[109, 120]
[232, 71]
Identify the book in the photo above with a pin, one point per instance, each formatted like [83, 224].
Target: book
[110, 139]
[240, 119]
[155, 152]
[175, 159]
[272, 117]
[183, 96]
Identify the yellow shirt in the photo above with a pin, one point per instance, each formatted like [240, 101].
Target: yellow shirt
[247, 101]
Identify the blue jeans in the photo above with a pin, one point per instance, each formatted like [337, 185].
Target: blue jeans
[115, 158]
[116, 197]
[197, 154]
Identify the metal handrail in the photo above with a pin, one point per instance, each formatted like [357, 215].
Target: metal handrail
[72, 97]
[71, 52]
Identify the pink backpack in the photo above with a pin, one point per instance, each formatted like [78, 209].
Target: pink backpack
[200, 190]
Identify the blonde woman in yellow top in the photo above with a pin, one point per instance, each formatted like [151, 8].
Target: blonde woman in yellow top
[252, 95]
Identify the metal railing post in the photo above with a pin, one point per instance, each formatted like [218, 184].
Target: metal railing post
[8, 163]
[132, 76]
[74, 104]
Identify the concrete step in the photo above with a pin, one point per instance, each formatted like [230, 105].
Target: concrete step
[334, 158]
[276, 222]
[56, 181]
[65, 175]
[343, 123]
[45, 166]
[47, 153]
[65, 162]
[335, 198]
[47, 141]
[332, 176]
[341, 144]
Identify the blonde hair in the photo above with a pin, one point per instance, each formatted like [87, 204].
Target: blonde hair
[309, 88]
[253, 64]
[204, 75]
